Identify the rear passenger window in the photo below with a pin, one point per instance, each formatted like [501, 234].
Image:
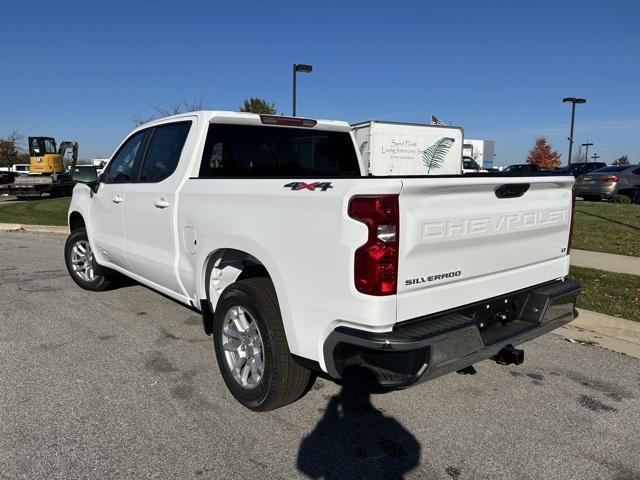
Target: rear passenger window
[260, 151]
[163, 153]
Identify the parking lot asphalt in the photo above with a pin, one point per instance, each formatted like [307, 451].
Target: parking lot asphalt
[123, 384]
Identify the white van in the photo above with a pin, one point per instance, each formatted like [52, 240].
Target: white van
[20, 168]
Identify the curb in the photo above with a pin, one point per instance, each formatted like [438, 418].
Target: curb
[606, 331]
[18, 227]
[609, 262]
[608, 325]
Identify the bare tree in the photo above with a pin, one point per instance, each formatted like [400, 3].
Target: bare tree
[623, 160]
[10, 151]
[166, 111]
[579, 157]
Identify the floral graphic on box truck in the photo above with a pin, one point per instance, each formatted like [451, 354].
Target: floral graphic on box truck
[436, 154]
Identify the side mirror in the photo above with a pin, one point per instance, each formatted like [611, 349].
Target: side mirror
[84, 174]
[87, 174]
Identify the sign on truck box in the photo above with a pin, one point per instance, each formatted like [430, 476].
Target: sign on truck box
[389, 148]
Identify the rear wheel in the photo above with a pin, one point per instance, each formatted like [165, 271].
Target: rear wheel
[81, 263]
[251, 347]
[634, 195]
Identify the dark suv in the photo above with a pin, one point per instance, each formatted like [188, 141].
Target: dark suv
[577, 169]
[522, 168]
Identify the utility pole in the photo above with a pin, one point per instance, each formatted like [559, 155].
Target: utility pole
[573, 101]
[586, 153]
[298, 67]
[595, 157]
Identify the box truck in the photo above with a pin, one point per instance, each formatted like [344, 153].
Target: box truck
[392, 148]
[482, 151]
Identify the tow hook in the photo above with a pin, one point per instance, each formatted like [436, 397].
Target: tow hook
[509, 356]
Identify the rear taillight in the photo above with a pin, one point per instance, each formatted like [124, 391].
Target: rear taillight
[573, 211]
[611, 179]
[376, 262]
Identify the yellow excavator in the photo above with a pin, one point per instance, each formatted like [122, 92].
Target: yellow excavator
[46, 159]
[47, 173]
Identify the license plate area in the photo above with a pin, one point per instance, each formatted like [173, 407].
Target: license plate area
[504, 317]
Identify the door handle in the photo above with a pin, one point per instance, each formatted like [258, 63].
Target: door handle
[116, 199]
[160, 203]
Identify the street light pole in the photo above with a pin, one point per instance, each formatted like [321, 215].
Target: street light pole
[586, 153]
[298, 67]
[573, 101]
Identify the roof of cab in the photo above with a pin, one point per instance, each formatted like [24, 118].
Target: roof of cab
[243, 118]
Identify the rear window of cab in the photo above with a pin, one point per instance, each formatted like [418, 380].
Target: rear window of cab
[269, 151]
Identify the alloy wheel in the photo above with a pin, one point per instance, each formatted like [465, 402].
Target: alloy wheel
[82, 260]
[243, 347]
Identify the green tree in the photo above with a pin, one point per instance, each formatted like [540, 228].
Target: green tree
[623, 160]
[542, 155]
[258, 105]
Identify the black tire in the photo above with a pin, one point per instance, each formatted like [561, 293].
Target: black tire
[283, 380]
[634, 195]
[102, 279]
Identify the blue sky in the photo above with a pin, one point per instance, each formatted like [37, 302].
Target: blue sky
[82, 70]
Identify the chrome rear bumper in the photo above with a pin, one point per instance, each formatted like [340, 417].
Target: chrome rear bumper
[427, 347]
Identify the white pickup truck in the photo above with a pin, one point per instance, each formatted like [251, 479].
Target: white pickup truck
[303, 265]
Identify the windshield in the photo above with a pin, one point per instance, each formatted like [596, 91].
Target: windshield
[470, 164]
[49, 145]
[520, 168]
[39, 146]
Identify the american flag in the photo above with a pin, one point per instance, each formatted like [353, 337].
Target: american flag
[435, 121]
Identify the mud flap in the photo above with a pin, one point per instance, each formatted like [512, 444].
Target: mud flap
[207, 316]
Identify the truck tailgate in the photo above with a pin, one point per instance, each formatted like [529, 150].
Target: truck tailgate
[467, 239]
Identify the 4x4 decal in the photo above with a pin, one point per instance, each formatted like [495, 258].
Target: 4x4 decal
[295, 186]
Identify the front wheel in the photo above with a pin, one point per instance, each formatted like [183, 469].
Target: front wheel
[251, 347]
[81, 263]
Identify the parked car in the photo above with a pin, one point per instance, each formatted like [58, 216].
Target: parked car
[577, 169]
[300, 262]
[605, 183]
[469, 165]
[7, 177]
[20, 168]
[522, 168]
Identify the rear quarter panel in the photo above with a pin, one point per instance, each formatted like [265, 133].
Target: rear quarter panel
[304, 239]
